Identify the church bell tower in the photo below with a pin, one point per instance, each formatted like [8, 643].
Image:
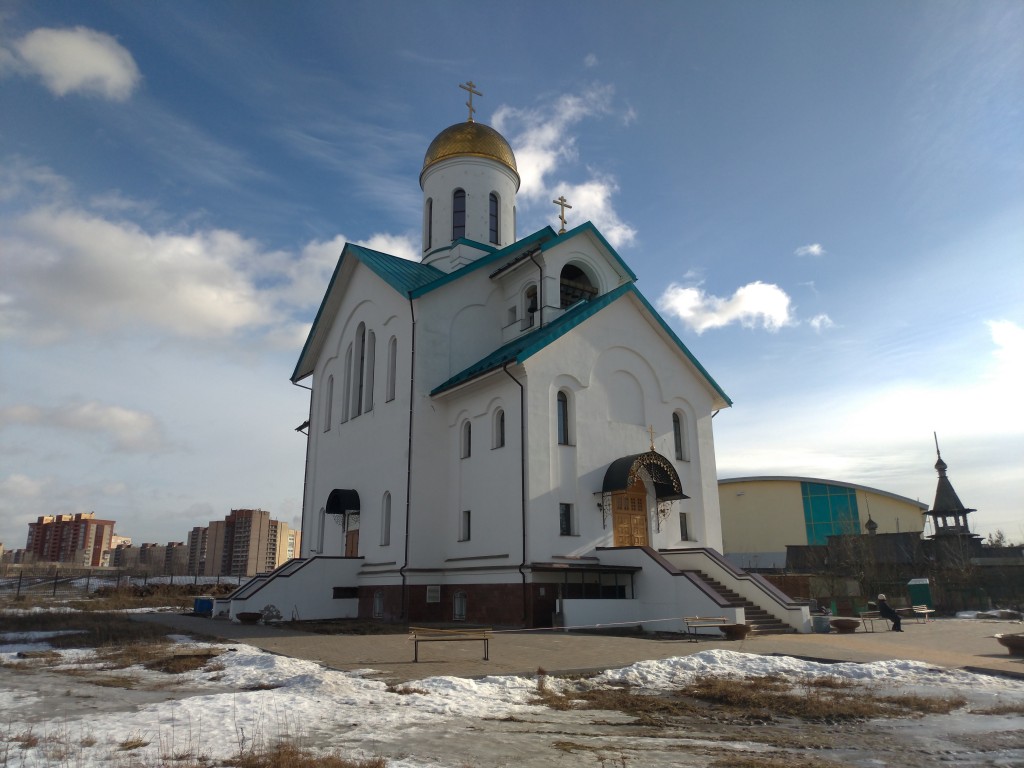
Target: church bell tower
[469, 182]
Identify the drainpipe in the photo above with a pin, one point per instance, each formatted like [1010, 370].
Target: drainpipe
[408, 461]
[522, 475]
[540, 291]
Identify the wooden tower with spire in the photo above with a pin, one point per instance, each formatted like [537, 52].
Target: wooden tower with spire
[948, 514]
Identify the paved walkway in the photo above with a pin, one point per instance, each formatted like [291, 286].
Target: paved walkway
[953, 643]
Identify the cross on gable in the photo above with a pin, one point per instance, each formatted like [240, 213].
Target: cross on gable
[562, 205]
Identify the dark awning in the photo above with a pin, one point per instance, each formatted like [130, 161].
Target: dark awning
[621, 474]
[342, 500]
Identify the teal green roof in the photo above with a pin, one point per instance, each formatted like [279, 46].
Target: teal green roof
[401, 274]
[414, 279]
[520, 349]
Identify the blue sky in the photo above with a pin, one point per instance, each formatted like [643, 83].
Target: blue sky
[825, 200]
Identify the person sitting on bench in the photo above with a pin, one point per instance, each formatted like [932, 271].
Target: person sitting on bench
[886, 611]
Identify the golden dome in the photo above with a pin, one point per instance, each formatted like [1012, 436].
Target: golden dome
[469, 139]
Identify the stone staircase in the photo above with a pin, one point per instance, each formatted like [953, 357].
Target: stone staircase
[761, 622]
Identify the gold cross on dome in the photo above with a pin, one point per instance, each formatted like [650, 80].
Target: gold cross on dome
[562, 204]
[650, 429]
[470, 86]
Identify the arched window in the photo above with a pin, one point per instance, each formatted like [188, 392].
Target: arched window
[458, 214]
[347, 393]
[466, 448]
[562, 417]
[459, 606]
[392, 368]
[574, 285]
[371, 352]
[530, 306]
[378, 604]
[329, 404]
[499, 429]
[494, 217]
[359, 368]
[385, 520]
[679, 436]
[428, 224]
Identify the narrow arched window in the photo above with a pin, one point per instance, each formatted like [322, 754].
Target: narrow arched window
[329, 403]
[679, 436]
[458, 214]
[385, 520]
[428, 224]
[494, 217]
[378, 604]
[358, 370]
[392, 368]
[499, 429]
[347, 393]
[371, 352]
[466, 449]
[459, 606]
[562, 416]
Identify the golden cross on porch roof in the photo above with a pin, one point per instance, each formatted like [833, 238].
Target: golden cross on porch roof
[650, 429]
[562, 204]
[470, 86]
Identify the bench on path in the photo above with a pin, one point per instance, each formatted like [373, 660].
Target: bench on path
[433, 635]
[693, 623]
[922, 613]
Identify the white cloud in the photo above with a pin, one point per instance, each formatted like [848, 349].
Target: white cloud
[590, 60]
[820, 322]
[814, 249]
[80, 60]
[394, 245]
[1009, 353]
[752, 305]
[22, 486]
[129, 431]
[545, 142]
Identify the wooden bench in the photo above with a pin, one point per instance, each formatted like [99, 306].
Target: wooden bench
[868, 618]
[693, 623]
[432, 635]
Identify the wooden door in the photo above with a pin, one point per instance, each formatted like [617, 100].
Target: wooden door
[629, 516]
[352, 543]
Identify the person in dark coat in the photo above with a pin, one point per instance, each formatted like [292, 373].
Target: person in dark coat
[886, 611]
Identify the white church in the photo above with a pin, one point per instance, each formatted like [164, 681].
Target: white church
[505, 433]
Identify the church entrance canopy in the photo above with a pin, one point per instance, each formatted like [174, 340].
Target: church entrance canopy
[342, 500]
[622, 474]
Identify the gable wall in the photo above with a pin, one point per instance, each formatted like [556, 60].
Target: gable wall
[355, 453]
[621, 376]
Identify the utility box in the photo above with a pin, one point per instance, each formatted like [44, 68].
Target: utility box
[920, 592]
[203, 606]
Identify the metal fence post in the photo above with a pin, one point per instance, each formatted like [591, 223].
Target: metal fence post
[17, 594]
[56, 573]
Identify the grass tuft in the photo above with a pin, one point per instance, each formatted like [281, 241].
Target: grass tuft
[290, 756]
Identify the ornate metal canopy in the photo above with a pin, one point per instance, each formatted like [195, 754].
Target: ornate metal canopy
[622, 474]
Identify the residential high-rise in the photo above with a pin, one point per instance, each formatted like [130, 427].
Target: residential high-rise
[244, 543]
[80, 538]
